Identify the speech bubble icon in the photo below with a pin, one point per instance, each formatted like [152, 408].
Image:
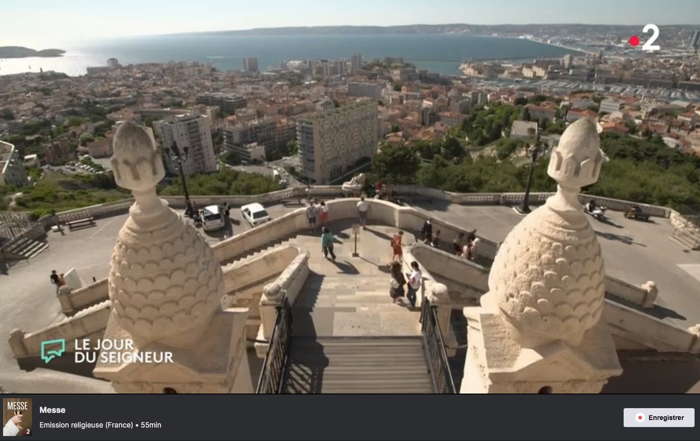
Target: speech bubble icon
[51, 349]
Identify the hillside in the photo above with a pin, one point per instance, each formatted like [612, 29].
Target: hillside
[24, 52]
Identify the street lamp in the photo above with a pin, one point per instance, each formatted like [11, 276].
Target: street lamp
[178, 157]
[534, 151]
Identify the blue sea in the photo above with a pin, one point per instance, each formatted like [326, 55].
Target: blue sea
[441, 53]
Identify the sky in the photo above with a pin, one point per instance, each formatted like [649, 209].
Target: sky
[49, 23]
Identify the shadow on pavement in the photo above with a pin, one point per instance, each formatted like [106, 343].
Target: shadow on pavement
[627, 240]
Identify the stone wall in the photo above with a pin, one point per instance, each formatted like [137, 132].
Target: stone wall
[630, 293]
[688, 227]
[73, 301]
[88, 323]
[443, 265]
[632, 325]
[380, 212]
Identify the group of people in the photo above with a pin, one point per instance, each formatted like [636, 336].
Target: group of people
[466, 245]
[463, 245]
[413, 284]
[317, 214]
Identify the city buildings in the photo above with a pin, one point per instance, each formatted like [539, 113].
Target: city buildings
[192, 135]
[365, 89]
[227, 102]
[11, 166]
[332, 142]
[268, 134]
[250, 64]
[355, 63]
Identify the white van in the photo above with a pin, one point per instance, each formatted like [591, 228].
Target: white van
[212, 218]
[255, 214]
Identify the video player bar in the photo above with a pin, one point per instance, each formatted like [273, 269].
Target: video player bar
[407, 417]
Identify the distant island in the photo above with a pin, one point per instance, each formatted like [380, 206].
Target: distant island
[24, 52]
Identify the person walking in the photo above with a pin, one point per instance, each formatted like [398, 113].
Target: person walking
[311, 214]
[323, 214]
[362, 210]
[396, 247]
[436, 240]
[55, 279]
[327, 243]
[415, 281]
[458, 244]
[427, 231]
[396, 290]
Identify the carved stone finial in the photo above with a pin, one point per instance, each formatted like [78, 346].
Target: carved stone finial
[165, 283]
[547, 277]
[137, 164]
[575, 163]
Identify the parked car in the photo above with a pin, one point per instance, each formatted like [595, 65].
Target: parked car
[255, 214]
[212, 218]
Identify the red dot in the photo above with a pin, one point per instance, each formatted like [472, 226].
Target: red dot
[634, 40]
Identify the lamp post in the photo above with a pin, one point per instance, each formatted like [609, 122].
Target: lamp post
[534, 151]
[179, 157]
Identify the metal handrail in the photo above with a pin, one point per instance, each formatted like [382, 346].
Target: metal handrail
[271, 379]
[435, 353]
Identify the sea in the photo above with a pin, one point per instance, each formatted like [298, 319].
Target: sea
[440, 53]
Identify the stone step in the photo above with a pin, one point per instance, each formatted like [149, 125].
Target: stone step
[685, 239]
[357, 365]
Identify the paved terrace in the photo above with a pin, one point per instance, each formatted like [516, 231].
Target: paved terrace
[634, 252]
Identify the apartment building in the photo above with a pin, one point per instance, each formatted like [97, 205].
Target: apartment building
[191, 133]
[333, 141]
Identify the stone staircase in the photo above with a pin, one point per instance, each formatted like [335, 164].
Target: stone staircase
[687, 240]
[359, 305]
[22, 248]
[374, 365]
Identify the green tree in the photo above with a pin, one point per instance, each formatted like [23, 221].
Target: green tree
[452, 148]
[396, 163]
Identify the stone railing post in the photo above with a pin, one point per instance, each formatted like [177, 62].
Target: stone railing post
[651, 293]
[64, 299]
[271, 299]
[16, 342]
[695, 345]
[440, 299]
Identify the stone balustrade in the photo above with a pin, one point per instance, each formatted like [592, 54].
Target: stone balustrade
[88, 323]
[73, 300]
[688, 226]
[285, 288]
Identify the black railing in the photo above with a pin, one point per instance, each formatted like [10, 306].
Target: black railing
[434, 347]
[274, 367]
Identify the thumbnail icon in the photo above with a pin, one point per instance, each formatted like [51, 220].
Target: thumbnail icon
[16, 416]
[51, 349]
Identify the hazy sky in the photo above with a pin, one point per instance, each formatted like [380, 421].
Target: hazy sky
[50, 23]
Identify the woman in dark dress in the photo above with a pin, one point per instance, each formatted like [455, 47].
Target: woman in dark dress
[397, 282]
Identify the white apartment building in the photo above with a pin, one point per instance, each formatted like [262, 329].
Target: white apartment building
[331, 142]
[12, 170]
[371, 90]
[192, 135]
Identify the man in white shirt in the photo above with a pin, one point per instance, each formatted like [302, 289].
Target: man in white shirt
[362, 209]
[415, 281]
[13, 425]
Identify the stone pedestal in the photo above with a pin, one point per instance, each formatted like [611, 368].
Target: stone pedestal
[497, 364]
[217, 363]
